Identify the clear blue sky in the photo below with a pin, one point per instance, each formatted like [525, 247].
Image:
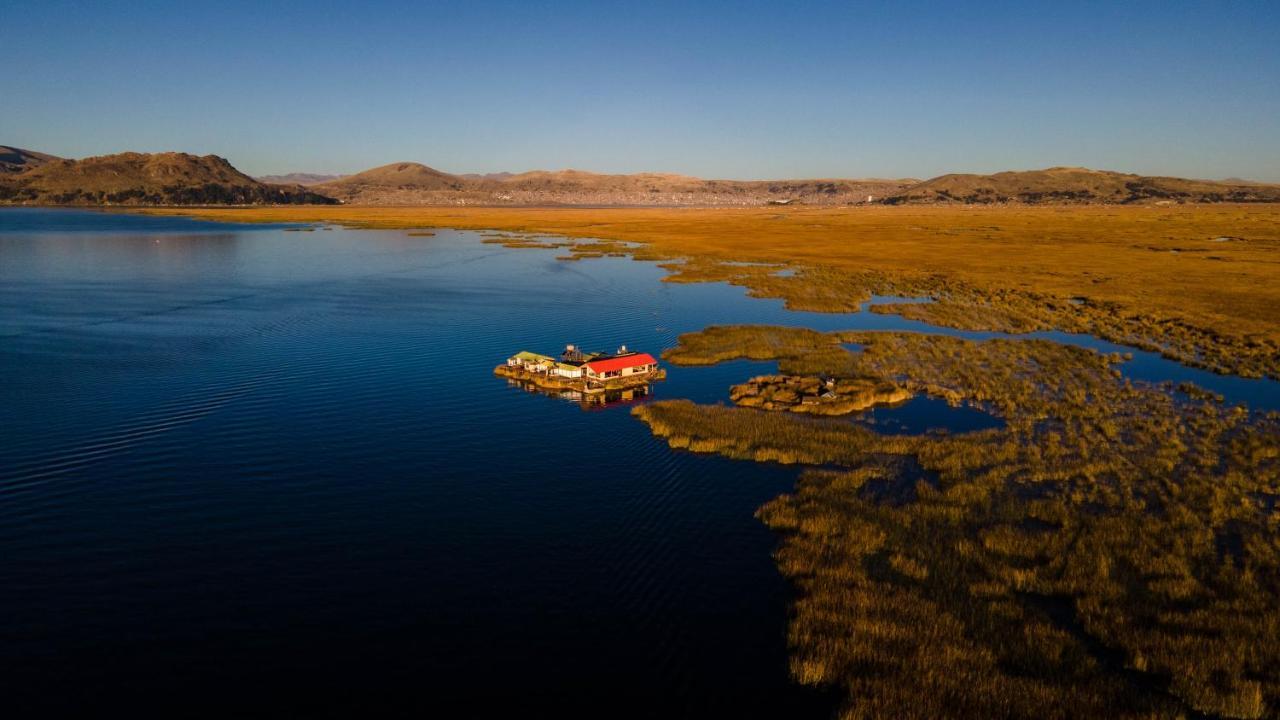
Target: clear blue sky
[733, 90]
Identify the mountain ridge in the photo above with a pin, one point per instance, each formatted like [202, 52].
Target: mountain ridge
[410, 183]
[29, 177]
[1078, 185]
[1067, 185]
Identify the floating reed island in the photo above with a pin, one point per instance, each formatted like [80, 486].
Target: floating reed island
[817, 395]
[588, 373]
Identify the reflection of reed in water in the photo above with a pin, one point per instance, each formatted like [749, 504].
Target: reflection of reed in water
[588, 401]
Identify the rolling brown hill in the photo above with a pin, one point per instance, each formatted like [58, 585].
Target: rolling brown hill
[15, 160]
[146, 179]
[398, 183]
[416, 184]
[29, 177]
[1078, 185]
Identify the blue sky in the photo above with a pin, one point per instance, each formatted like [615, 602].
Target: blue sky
[732, 90]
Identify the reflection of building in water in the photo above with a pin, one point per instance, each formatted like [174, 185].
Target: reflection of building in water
[588, 374]
[588, 401]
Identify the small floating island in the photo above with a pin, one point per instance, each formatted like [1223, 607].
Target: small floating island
[587, 373]
[817, 396]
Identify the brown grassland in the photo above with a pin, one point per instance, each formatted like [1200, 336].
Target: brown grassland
[1113, 551]
[1198, 283]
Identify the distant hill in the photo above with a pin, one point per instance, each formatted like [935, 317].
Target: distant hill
[416, 184]
[146, 179]
[28, 177]
[396, 183]
[16, 160]
[1078, 185]
[303, 179]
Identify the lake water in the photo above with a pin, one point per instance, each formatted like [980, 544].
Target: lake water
[249, 469]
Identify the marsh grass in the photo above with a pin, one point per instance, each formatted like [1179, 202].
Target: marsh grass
[1113, 551]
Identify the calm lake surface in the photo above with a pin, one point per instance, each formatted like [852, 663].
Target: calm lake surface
[254, 469]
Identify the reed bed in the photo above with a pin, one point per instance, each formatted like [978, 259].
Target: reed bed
[1113, 551]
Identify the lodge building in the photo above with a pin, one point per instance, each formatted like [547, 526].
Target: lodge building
[591, 369]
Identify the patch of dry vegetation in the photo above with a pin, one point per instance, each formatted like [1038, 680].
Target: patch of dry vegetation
[1113, 551]
[1196, 283]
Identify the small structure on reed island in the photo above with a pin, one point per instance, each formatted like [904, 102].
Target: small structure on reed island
[587, 373]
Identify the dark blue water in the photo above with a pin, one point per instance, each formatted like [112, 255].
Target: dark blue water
[921, 415]
[251, 470]
[259, 469]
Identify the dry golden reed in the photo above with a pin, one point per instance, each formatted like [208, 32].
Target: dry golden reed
[1113, 551]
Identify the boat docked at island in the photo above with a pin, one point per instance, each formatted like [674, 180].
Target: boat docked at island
[583, 372]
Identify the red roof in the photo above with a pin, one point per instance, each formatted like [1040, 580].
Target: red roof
[618, 363]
